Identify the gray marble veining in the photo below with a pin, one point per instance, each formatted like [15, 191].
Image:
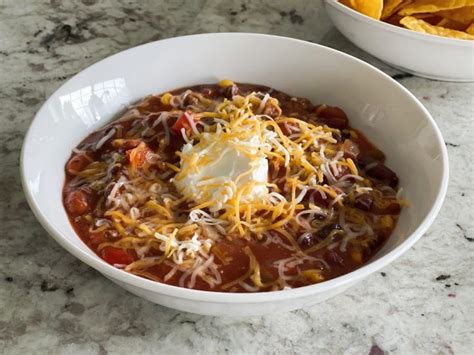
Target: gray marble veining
[53, 304]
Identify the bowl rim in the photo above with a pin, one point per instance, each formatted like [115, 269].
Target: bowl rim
[224, 297]
[399, 30]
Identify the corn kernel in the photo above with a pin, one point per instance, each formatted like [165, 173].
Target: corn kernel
[165, 99]
[238, 100]
[225, 83]
[386, 222]
[255, 101]
[312, 275]
[356, 255]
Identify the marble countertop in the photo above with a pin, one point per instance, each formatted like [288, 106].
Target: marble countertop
[51, 303]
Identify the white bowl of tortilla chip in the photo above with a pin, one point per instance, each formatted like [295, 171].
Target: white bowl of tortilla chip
[421, 54]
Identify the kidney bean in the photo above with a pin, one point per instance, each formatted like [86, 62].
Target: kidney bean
[77, 163]
[332, 122]
[210, 92]
[324, 232]
[377, 169]
[151, 103]
[306, 240]
[337, 137]
[229, 91]
[97, 238]
[332, 116]
[318, 199]
[376, 154]
[272, 109]
[77, 202]
[368, 157]
[126, 144]
[381, 172]
[319, 217]
[190, 99]
[294, 107]
[330, 111]
[364, 202]
[345, 134]
[363, 160]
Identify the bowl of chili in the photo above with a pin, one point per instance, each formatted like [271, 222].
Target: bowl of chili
[115, 128]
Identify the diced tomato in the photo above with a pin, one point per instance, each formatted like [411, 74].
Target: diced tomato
[183, 122]
[137, 156]
[116, 256]
[350, 149]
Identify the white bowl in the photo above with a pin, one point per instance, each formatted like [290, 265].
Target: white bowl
[420, 54]
[392, 117]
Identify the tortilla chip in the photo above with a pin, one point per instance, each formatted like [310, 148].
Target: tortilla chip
[394, 20]
[463, 15]
[391, 7]
[423, 16]
[432, 20]
[348, 3]
[423, 6]
[451, 24]
[470, 29]
[371, 8]
[418, 25]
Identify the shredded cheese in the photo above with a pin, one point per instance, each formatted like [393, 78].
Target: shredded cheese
[241, 174]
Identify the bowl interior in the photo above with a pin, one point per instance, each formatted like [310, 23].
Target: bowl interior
[388, 114]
